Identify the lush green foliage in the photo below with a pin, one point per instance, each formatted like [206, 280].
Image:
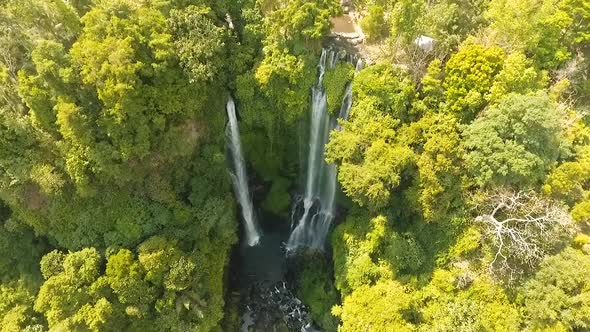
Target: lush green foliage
[160, 287]
[466, 167]
[381, 307]
[468, 170]
[111, 151]
[469, 75]
[373, 24]
[335, 81]
[316, 288]
[514, 142]
[557, 296]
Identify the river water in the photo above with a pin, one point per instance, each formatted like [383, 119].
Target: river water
[259, 275]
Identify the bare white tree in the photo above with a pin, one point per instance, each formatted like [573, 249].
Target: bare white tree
[522, 228]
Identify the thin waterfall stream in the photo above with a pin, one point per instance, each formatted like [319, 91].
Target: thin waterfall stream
[239, 177]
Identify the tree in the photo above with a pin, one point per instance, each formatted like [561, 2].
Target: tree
[449, 22]
[336, 81]
[517, 76]
[437, 190]
[125, 276]
[532, 26]
[569, 182]
[406, 20]
[431, 93]
[82, 6]
[558, 296]
[390, 89]
[579, 12]
[111, 108]
[373, 24]
[16, 308]
[97, 120]
[302, 23]
[315, 287]
[53, 20]
[20, 250]
[162, 286]
[200, 44]
[382, 307]
[367, 250]
[514, 142]
[369, 153]
[522, 228]
[68, 288]
[469, 75]
[458, 299]
[355, 243]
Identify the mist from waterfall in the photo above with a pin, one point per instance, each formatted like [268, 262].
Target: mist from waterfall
[239, 176]
[312, 221]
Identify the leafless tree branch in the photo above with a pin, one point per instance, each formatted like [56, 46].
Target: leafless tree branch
[522, 228]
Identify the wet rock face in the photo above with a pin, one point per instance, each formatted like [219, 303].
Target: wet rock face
[274, 308]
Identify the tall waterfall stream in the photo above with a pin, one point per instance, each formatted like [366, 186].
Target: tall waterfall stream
[315, 210]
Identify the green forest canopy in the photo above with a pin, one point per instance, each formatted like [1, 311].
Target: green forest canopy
[467, 167]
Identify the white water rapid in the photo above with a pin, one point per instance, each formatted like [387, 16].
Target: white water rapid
[239, 176]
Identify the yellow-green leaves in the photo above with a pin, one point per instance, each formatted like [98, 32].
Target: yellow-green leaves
[569, 182]
[199, 43]
[458, 300]
[68, 288]
[16, 309]
[381, 307]
[469, 75]
[300, 21]
[390, 88]
[440, 167]
[533, 26]
[369, 155]
[370, 152]
[335, 81]
[373, 24]
[517, 76]
[80, 292]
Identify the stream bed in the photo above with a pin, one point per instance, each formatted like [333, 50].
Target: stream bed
[259, 277]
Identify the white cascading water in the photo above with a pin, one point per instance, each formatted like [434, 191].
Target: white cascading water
[239, 176]
[359, 65]
[320, 189]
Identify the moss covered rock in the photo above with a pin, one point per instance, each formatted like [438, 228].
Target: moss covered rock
[335, 82]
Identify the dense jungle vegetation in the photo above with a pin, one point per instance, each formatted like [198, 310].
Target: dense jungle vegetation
[465, 168]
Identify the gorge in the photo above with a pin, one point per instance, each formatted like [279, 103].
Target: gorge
[264, 264]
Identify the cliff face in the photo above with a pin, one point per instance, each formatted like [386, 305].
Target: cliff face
[347, 34]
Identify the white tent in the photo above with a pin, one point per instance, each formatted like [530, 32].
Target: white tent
[425, 43]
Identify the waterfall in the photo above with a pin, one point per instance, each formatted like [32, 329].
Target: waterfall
[239, 177]
[319, 197]
[359, 65]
